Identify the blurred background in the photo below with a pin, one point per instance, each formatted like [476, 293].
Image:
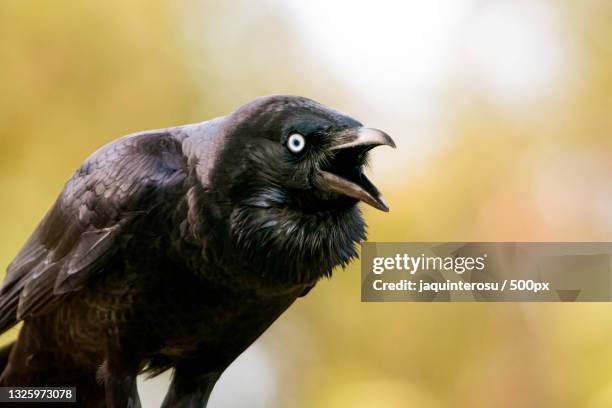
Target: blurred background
[502, 112]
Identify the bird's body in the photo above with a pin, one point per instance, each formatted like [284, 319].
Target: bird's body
[177, 248]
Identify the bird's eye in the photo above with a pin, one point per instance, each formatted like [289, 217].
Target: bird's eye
[296, 143]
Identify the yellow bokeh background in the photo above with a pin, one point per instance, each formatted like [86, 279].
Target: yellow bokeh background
[512, 150]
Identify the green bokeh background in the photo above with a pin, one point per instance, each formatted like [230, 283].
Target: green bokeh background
[75, 75]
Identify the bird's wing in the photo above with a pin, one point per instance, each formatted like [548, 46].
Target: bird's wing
[98, 208]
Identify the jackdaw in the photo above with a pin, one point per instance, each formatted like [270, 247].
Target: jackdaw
[177, 248]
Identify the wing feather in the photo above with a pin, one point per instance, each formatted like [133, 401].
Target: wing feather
[119, 183]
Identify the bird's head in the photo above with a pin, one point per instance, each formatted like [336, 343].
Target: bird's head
[291, 175]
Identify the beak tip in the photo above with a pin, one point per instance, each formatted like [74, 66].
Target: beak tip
[375, 137]
[377, 202]
[383, 206]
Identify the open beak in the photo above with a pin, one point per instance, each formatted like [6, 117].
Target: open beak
[345, 175]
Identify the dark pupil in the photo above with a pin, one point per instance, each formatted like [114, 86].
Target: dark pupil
[296, 142]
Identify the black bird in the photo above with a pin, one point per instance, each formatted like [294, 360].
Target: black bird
[177, 248]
